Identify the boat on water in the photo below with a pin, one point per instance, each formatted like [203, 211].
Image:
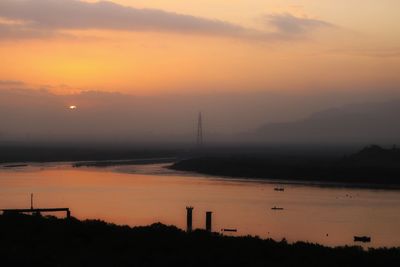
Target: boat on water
[276, 208]
[364, 239]
[279, 189]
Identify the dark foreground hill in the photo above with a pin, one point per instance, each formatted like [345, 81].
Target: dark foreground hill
[36, 241]
[373, 166]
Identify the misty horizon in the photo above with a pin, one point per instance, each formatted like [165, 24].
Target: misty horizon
[40, 115]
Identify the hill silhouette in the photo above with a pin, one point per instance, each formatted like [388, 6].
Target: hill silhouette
[358, 123]
[376, 156]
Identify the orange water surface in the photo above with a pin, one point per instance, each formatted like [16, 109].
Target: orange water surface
[144, 194]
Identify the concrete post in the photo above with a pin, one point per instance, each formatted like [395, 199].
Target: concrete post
[208, 221]
[189, 219]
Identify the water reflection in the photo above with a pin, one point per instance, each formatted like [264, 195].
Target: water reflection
[139, 195]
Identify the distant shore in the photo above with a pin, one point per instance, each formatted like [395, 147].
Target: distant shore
[30, 240]
[92, 155]
[372, 167]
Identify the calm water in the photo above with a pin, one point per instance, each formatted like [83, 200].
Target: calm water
[141, 195]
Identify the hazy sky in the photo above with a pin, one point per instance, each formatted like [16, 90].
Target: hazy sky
[146, 68]
[157, 46]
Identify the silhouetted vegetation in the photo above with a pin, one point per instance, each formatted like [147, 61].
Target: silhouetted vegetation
[105, 152]
[99, 155]
[37, 241]
[371, 166]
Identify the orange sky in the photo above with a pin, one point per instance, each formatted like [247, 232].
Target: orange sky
[263, 45]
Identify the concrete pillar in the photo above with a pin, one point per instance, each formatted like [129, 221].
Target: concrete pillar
[189, 219]
[208, 221]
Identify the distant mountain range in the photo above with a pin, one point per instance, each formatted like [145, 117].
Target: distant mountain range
[363, 123]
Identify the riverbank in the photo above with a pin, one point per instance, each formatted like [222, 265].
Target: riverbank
[372, 167]
[28, 240]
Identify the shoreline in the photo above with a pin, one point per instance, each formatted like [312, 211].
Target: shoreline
[111, 163]
[149, 161]
[299, 182]
[372, 167]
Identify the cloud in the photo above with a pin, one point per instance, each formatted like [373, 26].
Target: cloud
[11, 84]
[291, 25]
[12, 32]
[45, 18]
[391, 52]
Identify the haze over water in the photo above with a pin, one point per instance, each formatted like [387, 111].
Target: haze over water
[144, 194]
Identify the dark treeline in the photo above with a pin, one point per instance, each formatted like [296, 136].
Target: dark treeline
[371, 165]
[37, 241]
[52, 152]
[80, 152]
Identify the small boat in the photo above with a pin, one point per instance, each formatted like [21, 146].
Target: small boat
[229, 230]
[364, 239]
[276, 208]
[279, 189]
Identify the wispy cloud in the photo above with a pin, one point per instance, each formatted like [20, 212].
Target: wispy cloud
[292, 25]
[11, 83]
[45, 18]
[391, 52]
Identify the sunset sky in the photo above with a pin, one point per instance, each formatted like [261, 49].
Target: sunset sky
[154, 47]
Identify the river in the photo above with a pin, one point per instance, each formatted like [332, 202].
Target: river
[143, 194]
